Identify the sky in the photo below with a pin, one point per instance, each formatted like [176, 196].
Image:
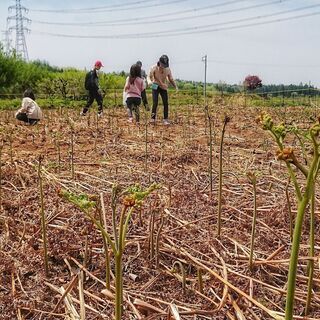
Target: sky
[278, 40]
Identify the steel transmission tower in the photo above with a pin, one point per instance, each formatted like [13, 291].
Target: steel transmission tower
[20, 45]
[7, 41]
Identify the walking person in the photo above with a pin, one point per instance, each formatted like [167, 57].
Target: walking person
[159, 74]
[133, 88]
[29, 112]
[143, 93]
[94, 92]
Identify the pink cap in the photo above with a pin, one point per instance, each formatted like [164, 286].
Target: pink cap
[98, 63]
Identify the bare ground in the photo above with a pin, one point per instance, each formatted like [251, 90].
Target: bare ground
[110, 150]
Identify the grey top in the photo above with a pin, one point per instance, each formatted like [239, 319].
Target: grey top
[143, 74]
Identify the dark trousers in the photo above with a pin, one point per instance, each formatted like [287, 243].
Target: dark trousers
[23, 117]
[133, 104]
[155, 97]
[144, 97]
[93, 95]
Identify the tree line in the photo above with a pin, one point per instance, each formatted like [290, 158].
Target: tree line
[16, 75]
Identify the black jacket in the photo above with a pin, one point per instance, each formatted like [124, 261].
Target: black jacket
[92, 80]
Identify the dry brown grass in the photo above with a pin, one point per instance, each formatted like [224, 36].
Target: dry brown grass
[178, 158]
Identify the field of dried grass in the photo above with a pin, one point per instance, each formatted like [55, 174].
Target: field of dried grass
[176, 225]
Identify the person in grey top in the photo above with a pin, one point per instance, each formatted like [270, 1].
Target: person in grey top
[143, 93]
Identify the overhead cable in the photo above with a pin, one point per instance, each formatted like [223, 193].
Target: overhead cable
[185, 29]
[191, 30]
[167, 14]
[174, 19]
[110, 9]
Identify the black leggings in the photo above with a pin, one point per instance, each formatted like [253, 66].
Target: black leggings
[23, 117]
[93, 95]
[155, 97]
[144, 97]
[133, 104]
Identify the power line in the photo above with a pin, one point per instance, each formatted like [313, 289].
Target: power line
[184, 30]
[94, 8]
[112, 9]
[100, 24]
[239, 26]
[143, 18]
[193, 30]
[247, 63]
[264, 64]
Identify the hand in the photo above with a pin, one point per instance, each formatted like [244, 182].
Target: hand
[164, 86]
[177, 89]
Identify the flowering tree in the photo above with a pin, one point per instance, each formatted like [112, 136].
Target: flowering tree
[252, 82]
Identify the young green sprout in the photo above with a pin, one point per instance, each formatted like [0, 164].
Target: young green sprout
[304, 195]
[133, 198]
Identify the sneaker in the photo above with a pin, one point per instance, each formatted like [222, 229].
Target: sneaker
[130, 120]
[153, 121]
[82, 113]
[100, 114]
[166, 122]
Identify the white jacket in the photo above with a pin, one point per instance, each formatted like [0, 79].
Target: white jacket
[31, 108]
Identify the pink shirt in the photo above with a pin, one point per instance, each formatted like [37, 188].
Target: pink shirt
[135, 89]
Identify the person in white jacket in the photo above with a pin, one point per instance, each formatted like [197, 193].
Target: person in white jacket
[29, 112]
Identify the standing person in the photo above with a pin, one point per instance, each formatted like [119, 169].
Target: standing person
[133, 88]
[143, 93]
[94, 92]
[158, 75]
[29, 112]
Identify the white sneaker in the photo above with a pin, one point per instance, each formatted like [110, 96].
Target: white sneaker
[100, 114]
[166, 122]
[82, 114]
[130, 120]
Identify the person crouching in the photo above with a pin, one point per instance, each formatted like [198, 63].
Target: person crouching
[29, 112]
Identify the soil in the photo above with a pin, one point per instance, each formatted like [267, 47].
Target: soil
[108, 151]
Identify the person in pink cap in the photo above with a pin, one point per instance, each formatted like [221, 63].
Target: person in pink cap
[92, 85]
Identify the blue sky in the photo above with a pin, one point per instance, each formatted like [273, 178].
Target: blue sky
[279, 52]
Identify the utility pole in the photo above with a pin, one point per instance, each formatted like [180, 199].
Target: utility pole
[20, 20]
[205, 59]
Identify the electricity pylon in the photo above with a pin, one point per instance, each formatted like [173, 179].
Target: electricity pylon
[20, 45]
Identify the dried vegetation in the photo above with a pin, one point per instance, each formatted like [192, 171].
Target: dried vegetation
[174, 265]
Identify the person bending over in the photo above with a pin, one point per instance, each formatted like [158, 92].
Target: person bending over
[29, 112]
[159, 74]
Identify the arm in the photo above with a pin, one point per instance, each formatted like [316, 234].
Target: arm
[171, 80]
[95, 80]
[142, 85]
[24, 106]
[126, 86]
[151, 75]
